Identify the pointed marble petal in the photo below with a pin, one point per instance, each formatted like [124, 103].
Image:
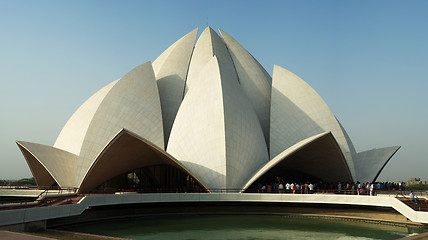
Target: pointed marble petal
[133, 103]
[348, 140]
[319, 156]
[370, 163]
[71, 137]
[42, 159]
[198, 137]
[172, 61]
[216, 131]
[171, 70]
[208, 45]
[132, 151]
[254, 80]
[298, 112]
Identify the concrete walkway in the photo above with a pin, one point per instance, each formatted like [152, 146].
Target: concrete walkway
[55, 234]
[6, 235]
[28, 215]
[422, 236]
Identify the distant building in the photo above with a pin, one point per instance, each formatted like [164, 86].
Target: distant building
[414, 181]
[204, 115]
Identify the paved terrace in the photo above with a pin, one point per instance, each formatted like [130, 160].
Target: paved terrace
[26, 215]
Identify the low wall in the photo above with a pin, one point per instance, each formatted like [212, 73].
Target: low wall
[165, 210]
[18, 216]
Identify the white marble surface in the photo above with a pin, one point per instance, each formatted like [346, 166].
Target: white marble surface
[369, 163]
[298, 112]
[133, 103]
[72, 135]
[8, 217]
[216, 134]
[170, 69]
[254, 81]
[58, 163]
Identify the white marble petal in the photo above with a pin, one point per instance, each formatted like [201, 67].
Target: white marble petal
[216, 133]
[132, 151]
[133, 103]
[60, 164]
[318, 156]
[208, 45]
[272, 163]
[197, 137]
[298, 112]
[71, 137]
[171, 71]
[254, 80]
[369, 164]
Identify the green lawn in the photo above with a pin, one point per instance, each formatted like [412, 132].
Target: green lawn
[417, 187]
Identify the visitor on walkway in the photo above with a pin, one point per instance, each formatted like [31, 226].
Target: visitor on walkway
[281, 188]
[287, 188]
[268, 188]
[414, 198]
[358, 188]
[371, 189]
[263, 188]
[311, 188]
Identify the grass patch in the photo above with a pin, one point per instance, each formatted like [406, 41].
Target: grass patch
[417, 187]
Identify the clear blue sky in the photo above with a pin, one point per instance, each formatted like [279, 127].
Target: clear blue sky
[367, 59]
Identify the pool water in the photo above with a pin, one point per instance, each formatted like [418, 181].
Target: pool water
[251, 227]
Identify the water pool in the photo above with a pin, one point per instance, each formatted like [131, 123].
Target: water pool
[251, 227]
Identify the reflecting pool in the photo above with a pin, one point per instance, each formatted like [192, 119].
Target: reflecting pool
[249, 227]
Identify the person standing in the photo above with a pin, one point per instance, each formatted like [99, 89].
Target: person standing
[371, 189]
[311, 188]
[358, 188]
[281, 188]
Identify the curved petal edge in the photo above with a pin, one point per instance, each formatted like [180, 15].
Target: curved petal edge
[319, 155]
[298, 112]
[125, 152]
[49, 164]
[133, 103]
[370, 163]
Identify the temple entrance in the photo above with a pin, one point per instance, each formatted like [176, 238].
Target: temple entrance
[152, 179]
[281, 174]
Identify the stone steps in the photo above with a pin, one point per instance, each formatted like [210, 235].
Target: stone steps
[423, 206]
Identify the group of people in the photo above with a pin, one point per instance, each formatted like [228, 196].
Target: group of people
[281, 186]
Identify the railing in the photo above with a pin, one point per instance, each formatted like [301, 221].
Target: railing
[72, 192]
[86, 202]
[47, 193]
[273, 191]
[18, 187]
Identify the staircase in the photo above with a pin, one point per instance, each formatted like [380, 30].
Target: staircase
[59, 201]
[423, 206]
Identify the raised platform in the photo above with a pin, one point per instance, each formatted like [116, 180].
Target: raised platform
[20, 216]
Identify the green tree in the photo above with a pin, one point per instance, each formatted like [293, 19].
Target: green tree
[27, 182]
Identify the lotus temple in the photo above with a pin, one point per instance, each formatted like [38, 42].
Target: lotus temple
[204, 115]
